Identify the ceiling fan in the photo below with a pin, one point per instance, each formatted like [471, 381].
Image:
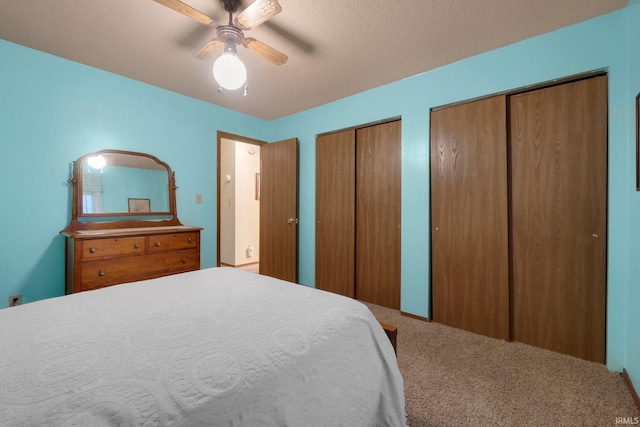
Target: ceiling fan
[231, 35]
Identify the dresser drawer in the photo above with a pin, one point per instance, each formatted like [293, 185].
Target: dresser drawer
[100, 273]
[173, 241]
[120, 246]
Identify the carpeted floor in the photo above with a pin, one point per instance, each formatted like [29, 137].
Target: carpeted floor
[457, 378]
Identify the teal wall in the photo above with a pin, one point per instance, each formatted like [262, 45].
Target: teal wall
[631, 304]
[608, 42]
[52, 111]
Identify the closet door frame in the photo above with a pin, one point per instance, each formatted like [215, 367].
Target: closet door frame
[328, 249]
[542, 85]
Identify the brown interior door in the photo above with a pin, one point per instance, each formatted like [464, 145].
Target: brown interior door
[279, 210]
[559, 202]
[378, 185]
[469, 217]
[335, 212]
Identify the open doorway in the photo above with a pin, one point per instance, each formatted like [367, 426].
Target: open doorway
[238, 202]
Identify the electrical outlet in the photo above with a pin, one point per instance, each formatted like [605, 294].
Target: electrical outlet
[15, 300]
[198, 198]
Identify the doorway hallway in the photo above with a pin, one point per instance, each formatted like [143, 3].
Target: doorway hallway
[238, 202]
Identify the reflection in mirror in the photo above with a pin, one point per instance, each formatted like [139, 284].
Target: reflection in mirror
[124, 183]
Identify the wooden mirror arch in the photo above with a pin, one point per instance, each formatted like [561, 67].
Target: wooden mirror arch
[127, 171]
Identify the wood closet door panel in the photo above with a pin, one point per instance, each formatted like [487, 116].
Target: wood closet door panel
[469, 217]
[279, 209]
[335, 212]
[559, 203]
[378, 214]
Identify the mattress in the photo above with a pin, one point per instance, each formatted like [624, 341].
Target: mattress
[214, 347]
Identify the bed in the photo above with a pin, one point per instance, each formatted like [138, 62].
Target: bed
[213, 347]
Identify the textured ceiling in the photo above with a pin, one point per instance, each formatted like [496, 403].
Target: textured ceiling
[336, 48]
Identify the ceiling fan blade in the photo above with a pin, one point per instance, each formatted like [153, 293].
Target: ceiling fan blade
[267, 52]
[206, 51]
[256, 13]
[187, 10]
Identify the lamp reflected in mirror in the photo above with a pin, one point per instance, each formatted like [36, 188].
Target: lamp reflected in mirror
[97, 162]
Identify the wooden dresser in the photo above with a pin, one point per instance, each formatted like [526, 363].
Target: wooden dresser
[99, 258]
[124, 222]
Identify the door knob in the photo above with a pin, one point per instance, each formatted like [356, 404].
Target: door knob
[292, 221]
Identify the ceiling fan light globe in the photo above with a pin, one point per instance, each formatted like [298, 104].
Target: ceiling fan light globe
[229, 72]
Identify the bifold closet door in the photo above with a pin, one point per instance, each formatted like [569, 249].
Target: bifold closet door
[378, 214]
[358, 213]
[469, 217]
[559, 203]
[335, 212]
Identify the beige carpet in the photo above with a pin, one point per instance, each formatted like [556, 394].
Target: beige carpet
[254, 268]
[457, 378]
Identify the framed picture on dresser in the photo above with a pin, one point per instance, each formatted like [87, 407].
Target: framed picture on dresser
[139, 205]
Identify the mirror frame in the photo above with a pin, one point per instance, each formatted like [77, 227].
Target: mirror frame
[137, 218]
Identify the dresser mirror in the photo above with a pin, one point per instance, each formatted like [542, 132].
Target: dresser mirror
[123, 183]
[116, 186]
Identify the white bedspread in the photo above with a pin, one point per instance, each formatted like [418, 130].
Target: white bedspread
[219, 347]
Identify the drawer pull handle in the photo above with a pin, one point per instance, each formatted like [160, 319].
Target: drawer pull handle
[137, 246]
[184, 260]
[157, 244]
[92, 250]
[101, 273]
[190, 240]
